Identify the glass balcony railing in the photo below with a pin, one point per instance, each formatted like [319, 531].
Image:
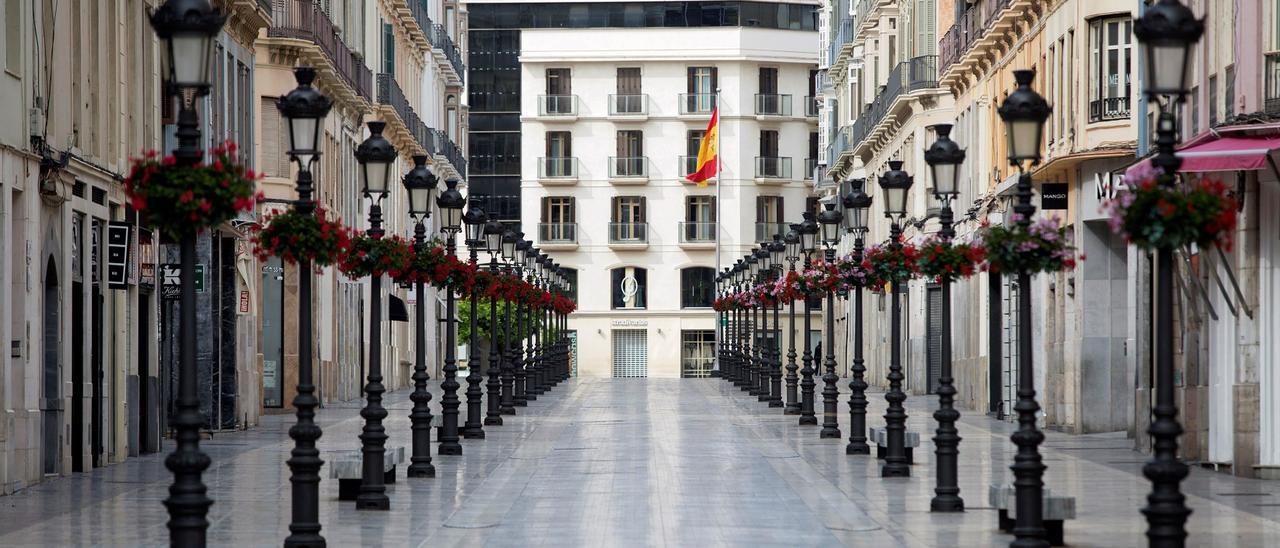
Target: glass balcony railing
[810, 165]
[557, 105]
[558, 233]
[697, 103]
[773, 167]
[564, 167]
[810, 107]
[628, 167]
[773, 105]
[693, 232]
[628, 233]
[628, 105]
[688, 165]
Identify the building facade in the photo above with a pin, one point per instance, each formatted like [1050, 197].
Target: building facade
[607, 103]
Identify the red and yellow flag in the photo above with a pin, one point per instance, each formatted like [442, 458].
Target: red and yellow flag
[708, 152]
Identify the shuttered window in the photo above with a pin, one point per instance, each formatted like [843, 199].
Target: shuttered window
[275, 141]
[388, 49]
[628, 81]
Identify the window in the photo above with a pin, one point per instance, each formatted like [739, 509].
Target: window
[697, 287]
[1109, 88]
[13, 36]
[558, 220]
[388, 49]
[769, 143]
[697, 353]
[559, 98]
[1193, 105]
[702, 83]
[1213, 101]
[629, 288]
[693, 143]
[628, 224]
[1229, 94]
[559, 160]
[275, 141]
[630, 161]
[700, 219]
[629, 99]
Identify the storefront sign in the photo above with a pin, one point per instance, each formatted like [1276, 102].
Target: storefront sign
[629, 322]
[244, 301]
[171, 280]
[1053, 196]
[146, 260]
[118, 254]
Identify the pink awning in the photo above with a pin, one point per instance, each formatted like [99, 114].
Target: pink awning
[1221, 154]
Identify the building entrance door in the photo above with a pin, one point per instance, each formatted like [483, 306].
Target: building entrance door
[933, 336]
[630, 353]
[51, 402]
[1222, 368]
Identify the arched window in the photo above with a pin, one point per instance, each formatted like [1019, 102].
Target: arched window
[630, 287]
[697, 287]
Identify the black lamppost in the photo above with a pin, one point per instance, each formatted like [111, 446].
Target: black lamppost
[520, 262]
[752, 358]
[376, 156]
[1024, 113]
[186, 29]
[830, 219]
[764, 266]
[776, 250]
[545, 328]
[476, 222]
[944, 158]
[507, 405]
[421, 183]
[304, 109]
[792, 244]
[895, 183]
[856, 205]
[450, 203]
[735, 321]
[493, 245]
[808, 245]
[1167, 30]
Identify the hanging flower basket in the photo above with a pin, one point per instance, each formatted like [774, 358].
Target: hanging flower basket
[890, 263]
[180, 200]
[1153, 213]
[851, 274]
[944, 260]
[370, 256]
[295, 237]
[1040, 247]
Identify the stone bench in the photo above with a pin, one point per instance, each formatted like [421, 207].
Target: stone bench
[348, 468]
[1056, 509]
[880, 436]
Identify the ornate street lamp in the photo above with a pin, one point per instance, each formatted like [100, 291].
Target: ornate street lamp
[493, 233]
[776, 250]
[764, 359]
[375, 155]
[1024, 113]
[857, 204]
[895, 184]
[476, 221]
[186, 29]
[420, 183]
[792, 244]
[450, 203]
[808, 246]
[1167, 31]
[830, 221]
[510, 242]
[304, 109]
[944, 158]
[518, 262]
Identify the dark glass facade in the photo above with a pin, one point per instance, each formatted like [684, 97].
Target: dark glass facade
[494, 69]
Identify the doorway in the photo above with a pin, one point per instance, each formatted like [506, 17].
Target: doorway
[51, 403]
[630, 353]
[77, 376]
[1222, 367]
[933, 338]
[146, 379]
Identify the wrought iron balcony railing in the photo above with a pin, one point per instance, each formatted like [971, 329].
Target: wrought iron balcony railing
[972, 25]
[390, 94]
[443, 145]
[306, 20]
[908, 76]
[772, 104]
[1109, 108]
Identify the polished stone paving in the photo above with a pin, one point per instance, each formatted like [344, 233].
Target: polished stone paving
[639, 462]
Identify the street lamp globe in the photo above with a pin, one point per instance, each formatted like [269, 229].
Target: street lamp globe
[808, 234]
[450, 203]
[509, 241]
[187, 29]
[777, 251]
[763, 259]
[304, 109]
[493, 236]
[792, 241]
[477, 223]
[856, 205]
[420, 182]
[1024, 112]
[830, 221]
[375, 155]
[944, 157]
[1167, 31]
[895, 183]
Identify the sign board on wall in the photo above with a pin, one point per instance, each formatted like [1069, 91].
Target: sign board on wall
[118, 254]
[1053, 196]
[171, 280]
[630, 322]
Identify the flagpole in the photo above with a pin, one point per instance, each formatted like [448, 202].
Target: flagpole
[719, 179]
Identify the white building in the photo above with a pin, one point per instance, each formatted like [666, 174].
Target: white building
[613, 99]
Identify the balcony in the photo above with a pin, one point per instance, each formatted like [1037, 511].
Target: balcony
[765, 231]
[839, 146]
[773, 169]
[841, 41]
[558, 235]
[1271, 84]
[1110, 108]
[688, 165]
[973, 25]
[629, 107]
[255, 14]
[304, 20]
[810, 165]
[558, 107]
[775, 105]
[629, 235]
[558, 170]
[697, 104]
[625, 170]
[447, 53]
[907, 77]
[405, 128]
[810, 107]
[447, 152]
[697, 235]
[416, 21]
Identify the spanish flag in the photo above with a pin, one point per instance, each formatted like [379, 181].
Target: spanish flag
[708, 152]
